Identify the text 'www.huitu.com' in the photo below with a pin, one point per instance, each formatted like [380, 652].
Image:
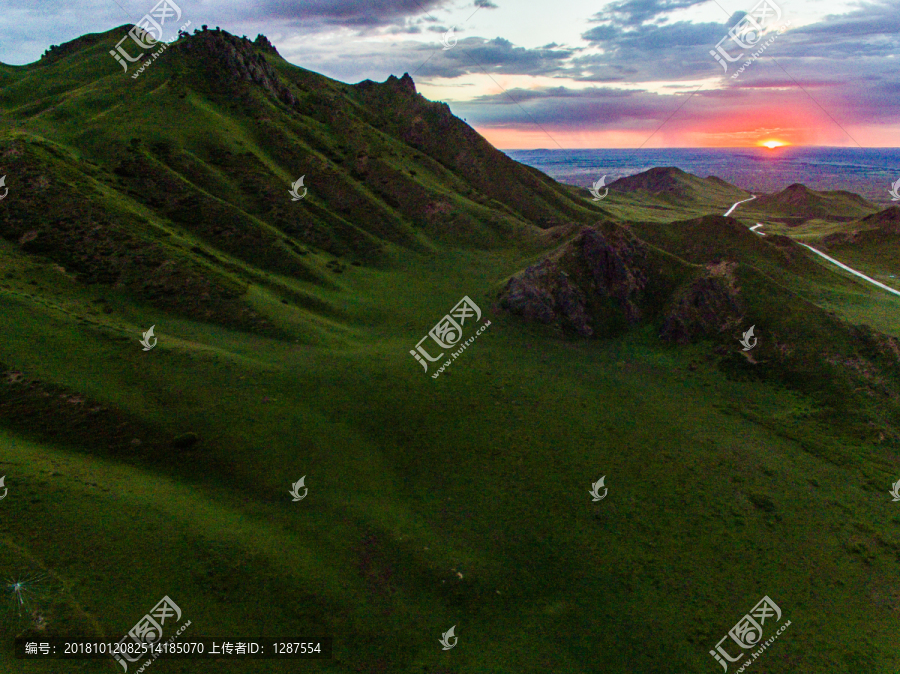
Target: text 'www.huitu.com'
[463, 346]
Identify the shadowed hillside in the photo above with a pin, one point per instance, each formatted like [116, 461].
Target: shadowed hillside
[871, 243]
[882, 226]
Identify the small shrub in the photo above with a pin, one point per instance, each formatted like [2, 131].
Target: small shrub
[185, 441]
[762, 502]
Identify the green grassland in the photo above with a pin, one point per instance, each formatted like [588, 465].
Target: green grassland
[484, 470]
[461, 500]
[873, 251]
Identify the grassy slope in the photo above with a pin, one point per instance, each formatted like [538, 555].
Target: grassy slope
[825, 284]
[487, 467]
[873, 253]
[722, 489]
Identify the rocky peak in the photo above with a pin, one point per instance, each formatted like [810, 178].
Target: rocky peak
[262, 42]
[403, 85]
[237, 59]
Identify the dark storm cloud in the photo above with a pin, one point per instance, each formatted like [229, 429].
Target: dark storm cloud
[351, 13]
[870, 19]
[572, 109]
[672, 52]
[637, 12]
[651, 37]
[870, 31]
[843, 61]
[650, 51]
[497, 56]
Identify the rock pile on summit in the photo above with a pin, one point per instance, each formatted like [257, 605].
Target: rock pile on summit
[236, 59]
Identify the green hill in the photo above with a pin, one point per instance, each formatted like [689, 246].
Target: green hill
[670, 181]
[661, 193]
[284, 336]
[871, 244]
[797, 203]
[192, 179]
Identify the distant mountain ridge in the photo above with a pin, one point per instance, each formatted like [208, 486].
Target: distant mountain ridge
[874, 238]
[887, 220]
[670, 181]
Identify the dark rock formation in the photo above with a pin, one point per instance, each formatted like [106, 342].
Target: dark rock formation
[706, 306]
[598, 267]
[607, 280]
[545, 294]
[236, 59]
[262, 42]
[393, 85]
[617, 266]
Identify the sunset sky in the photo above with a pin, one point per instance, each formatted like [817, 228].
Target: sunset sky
[570, 74]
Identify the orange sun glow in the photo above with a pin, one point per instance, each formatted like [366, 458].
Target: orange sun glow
[772, 144]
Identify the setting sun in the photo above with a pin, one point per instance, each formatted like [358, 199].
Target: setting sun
[772, 144]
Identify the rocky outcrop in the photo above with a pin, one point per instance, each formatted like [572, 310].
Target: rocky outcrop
[617, 265]
[544, 293]
[606, 266]
[706, 306]
[606, 279]
[403, 85]
[236, 59]
[262, 42]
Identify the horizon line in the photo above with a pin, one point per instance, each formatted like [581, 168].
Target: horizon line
[700, 147]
